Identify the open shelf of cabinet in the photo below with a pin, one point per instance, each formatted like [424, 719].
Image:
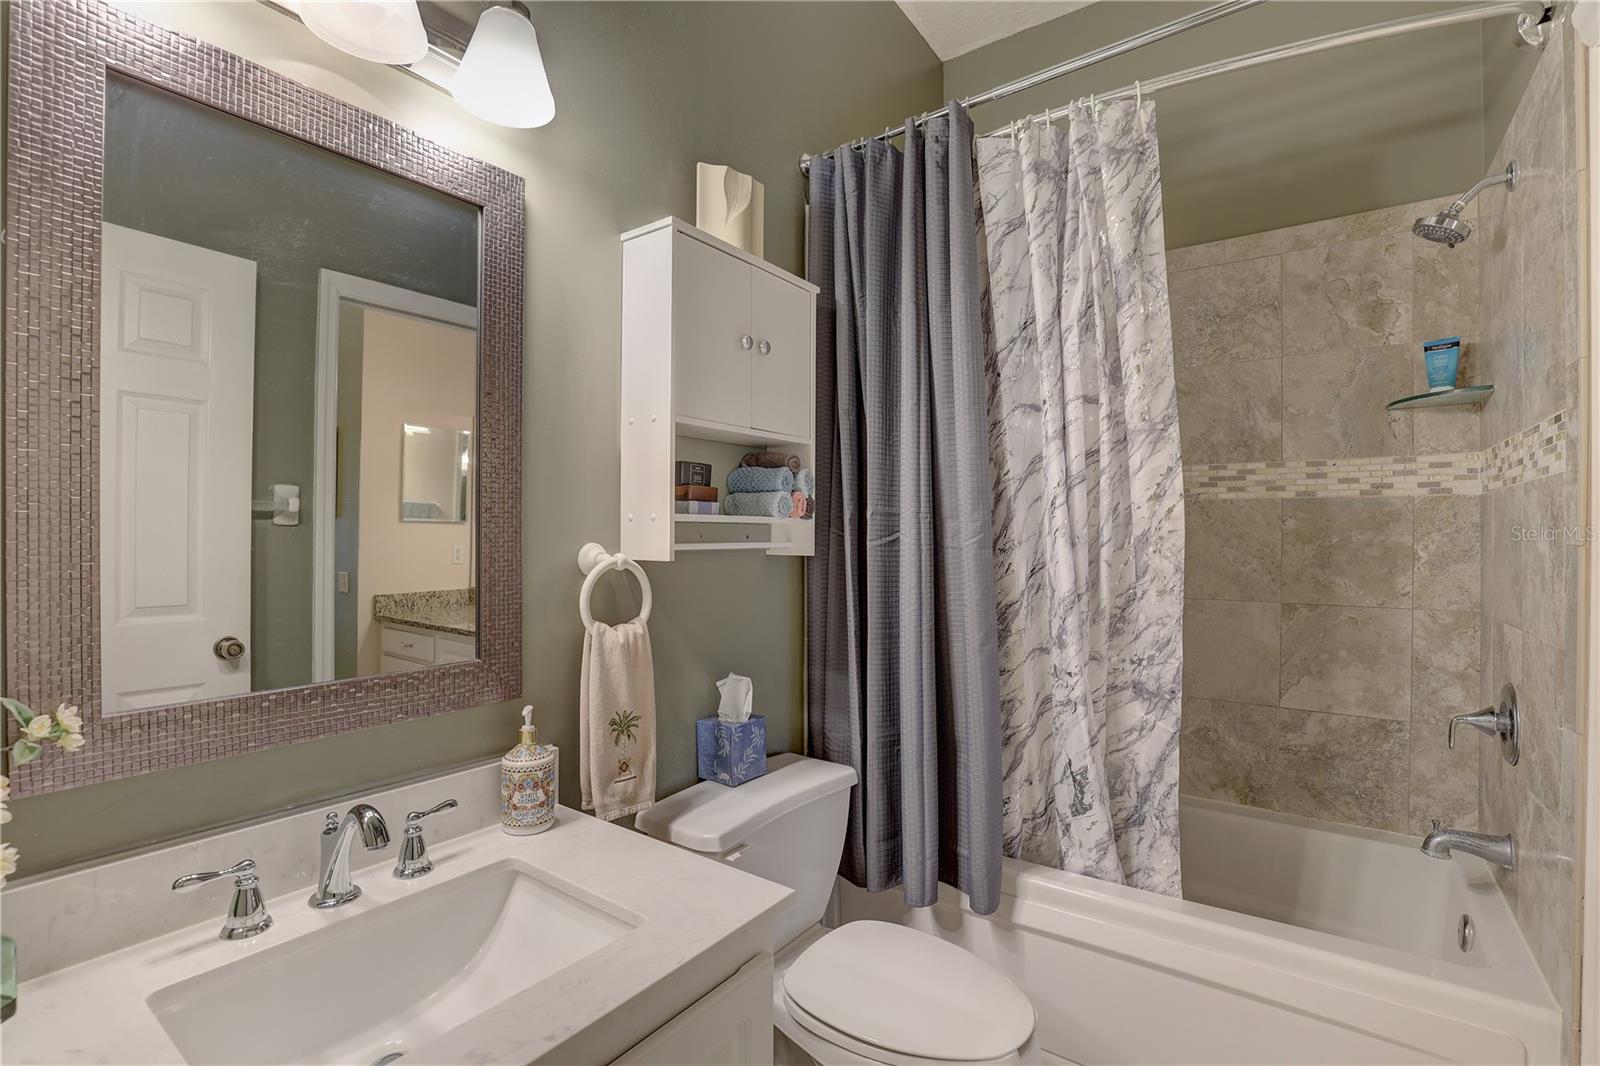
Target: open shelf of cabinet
[718, 359]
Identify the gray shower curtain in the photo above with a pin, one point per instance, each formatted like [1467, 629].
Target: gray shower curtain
[903, 673]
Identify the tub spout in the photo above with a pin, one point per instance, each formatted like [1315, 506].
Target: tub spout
[1496, 849]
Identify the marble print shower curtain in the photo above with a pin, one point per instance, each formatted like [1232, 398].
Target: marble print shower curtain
[1088, 515]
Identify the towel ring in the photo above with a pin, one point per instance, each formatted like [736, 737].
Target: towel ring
[593, 560]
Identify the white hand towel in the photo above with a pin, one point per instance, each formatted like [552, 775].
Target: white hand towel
[617, 721]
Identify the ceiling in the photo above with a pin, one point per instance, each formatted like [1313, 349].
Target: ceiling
[955, 27]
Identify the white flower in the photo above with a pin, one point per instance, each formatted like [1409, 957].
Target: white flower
[69, 718]
[70, 742]
[38, 728]
[8, 862]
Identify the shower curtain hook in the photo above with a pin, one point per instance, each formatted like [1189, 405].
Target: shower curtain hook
[1138, 94]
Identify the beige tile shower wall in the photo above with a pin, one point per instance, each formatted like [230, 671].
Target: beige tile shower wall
[1328, 639]
[1535, 539]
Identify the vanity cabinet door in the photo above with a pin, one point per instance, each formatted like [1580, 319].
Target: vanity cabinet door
[780, 368]
[729, 1026]
[711, 328]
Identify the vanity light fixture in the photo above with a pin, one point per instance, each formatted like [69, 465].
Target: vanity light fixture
[502, 78]
[383, 31]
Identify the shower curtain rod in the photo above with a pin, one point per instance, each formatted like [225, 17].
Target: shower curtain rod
[1532, 16]
[1088, 59]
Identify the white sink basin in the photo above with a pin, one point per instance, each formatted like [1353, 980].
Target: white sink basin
[374, 986]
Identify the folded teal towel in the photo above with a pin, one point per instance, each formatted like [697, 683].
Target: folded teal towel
[760, 479]
[758, 504]
[805, 481]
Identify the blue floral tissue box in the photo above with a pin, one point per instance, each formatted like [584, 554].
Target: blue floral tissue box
[731, 753]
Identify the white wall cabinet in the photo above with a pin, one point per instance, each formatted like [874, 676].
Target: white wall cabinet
[718, 358]
[729, 1026]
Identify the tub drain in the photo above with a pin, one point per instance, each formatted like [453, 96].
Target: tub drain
[390, 1057]
[1464, 932]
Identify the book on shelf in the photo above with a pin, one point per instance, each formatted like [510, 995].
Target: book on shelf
[692, 473]
[699, 493]
[697, 507]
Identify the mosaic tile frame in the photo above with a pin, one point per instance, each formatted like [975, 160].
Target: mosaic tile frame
[60, 53]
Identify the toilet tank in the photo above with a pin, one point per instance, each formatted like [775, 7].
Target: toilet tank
[786, 826]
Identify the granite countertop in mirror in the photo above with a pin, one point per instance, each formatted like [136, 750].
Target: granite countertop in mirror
[441, 610]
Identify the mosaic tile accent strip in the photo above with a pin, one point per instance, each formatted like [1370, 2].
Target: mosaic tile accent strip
[60, 53]
[1536, 452]
[1457, 474]
[1533, 453]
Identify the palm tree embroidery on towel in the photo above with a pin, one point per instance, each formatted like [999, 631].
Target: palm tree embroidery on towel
[624, 725]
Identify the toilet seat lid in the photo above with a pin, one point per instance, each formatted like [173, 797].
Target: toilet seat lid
[910, 993]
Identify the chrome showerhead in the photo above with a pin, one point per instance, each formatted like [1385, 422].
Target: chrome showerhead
[1445, 228]
[1448, 227]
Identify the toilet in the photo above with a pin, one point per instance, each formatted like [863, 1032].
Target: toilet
[866, 992]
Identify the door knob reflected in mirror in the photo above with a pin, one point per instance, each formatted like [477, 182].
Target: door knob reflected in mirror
[229, 649]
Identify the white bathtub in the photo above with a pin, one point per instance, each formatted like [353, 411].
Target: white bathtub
[1300, 942]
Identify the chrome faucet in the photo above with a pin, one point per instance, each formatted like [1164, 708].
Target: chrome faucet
[334, 887]
[1496, 849]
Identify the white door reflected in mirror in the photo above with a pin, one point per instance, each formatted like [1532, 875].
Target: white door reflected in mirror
[177, 368]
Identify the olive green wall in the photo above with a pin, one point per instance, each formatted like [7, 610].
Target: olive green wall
[643, 91]
[1348, 130]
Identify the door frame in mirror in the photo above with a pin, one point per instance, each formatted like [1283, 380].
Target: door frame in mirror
[332, 289]
[61, 52]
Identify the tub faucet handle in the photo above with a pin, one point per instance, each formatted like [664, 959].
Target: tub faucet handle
[1498, 721]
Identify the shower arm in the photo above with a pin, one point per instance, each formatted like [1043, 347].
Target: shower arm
[1508, 176]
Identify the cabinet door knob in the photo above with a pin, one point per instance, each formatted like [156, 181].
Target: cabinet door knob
[746, 341]
[765, 348]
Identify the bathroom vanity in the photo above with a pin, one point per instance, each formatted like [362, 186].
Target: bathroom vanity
[588, 943]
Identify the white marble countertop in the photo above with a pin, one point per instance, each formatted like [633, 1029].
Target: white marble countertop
[702, 920]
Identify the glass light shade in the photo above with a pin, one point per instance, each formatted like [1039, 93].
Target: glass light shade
[384, 31]
[502, 78]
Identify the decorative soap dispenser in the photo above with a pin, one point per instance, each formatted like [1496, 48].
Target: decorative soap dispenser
[528, 783]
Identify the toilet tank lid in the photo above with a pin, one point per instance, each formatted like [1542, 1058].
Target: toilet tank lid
[714, 818]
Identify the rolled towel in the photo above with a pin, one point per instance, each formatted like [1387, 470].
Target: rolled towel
[797, 506]
[760, 479]
[758, 504]
[806, 481]
[772, 459]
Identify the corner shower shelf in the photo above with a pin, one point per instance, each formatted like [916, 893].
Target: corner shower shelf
[1470, 394]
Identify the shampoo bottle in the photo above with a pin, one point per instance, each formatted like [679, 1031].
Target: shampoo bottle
[528, 783]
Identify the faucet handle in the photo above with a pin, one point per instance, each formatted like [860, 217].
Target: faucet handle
[247, 915]
[414, 861]
[244, 871]
[415, 817]
[1437, 825]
